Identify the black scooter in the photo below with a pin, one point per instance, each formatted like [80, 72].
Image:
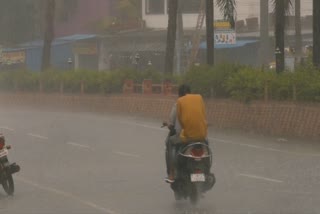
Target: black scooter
[192, 169]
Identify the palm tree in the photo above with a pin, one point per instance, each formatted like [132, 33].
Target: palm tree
[228, 10]
[210, 31]
[279, 34]
[298, 27]
[264, 31]
[53, 10]
[171, 35]
[180, 35]
[316, 33]
[48, 33]
[281, 7]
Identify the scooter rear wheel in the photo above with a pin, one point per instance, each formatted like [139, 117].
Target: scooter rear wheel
[177, 196]
[195, 194]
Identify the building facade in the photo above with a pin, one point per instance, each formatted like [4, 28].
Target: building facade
[155, 13]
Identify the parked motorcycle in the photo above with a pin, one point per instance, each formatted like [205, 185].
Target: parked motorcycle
[7, 169]
[192, 169]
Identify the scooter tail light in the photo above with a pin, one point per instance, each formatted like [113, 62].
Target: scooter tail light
[197, 152]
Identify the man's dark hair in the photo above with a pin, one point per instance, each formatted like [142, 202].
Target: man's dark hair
[183, 90]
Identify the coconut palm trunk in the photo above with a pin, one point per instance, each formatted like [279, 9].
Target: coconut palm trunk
[180, 36]
[298, 28]
[279, 34]
[264, 32]
[316, 33]
[48, 34]
[171, 35]
[210, 31]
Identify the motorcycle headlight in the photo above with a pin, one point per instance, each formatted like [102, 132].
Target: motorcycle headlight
[2, 141]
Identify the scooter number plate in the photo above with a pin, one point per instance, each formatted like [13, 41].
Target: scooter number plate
[3, 153]
[198, 178]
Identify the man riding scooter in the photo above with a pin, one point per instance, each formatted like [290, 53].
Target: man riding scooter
[187, 123]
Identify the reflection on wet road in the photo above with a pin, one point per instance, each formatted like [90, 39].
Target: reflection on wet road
[86, 163]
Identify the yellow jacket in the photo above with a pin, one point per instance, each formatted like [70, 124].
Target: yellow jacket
[192, 117]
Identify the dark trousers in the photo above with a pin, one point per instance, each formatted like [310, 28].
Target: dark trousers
[171, 150]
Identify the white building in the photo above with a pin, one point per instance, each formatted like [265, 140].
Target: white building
[155, 14]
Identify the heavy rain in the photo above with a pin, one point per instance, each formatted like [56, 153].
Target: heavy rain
[159, 106]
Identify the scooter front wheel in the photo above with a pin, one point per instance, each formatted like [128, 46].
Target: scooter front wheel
[8, 184]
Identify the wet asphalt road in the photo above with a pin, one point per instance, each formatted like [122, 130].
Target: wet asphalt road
[87, 163]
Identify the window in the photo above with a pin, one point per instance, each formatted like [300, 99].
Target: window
[190, 6]
[154, 6]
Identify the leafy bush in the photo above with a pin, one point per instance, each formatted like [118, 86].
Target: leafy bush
[221, 81]
[246, 85]
[93, 81]
[210, 81]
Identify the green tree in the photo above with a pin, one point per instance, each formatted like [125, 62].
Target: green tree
[228, 10]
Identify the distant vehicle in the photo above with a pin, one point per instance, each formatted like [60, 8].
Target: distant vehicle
[6, 168]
